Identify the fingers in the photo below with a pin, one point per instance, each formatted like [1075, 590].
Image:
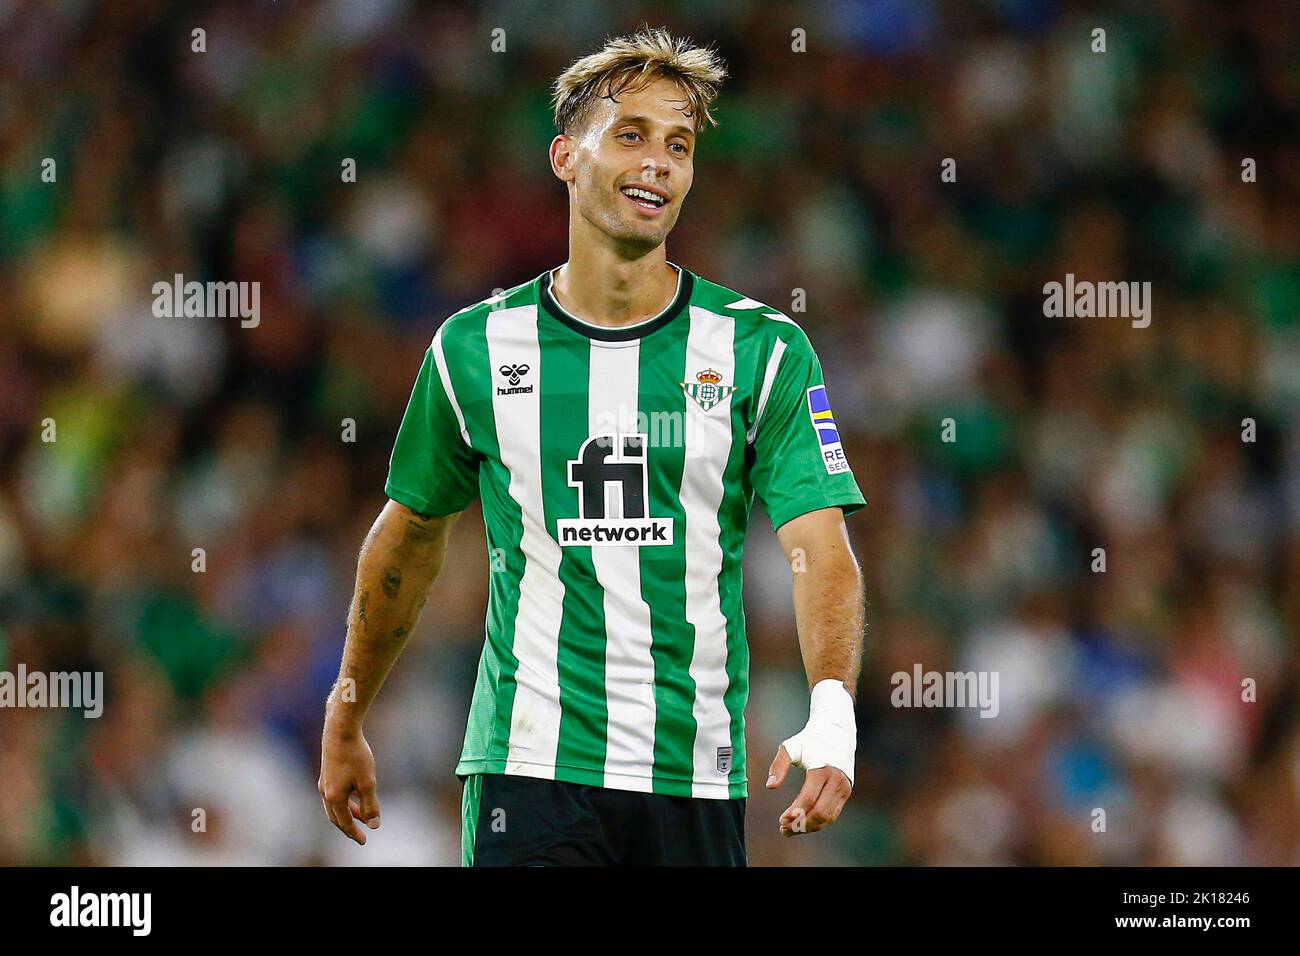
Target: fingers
[340, 813]
[819, 803]
[368, 810]
[342, 817]
[780, 767]
[329, 812]
[795, 818]
[830, 802]
[820, 800]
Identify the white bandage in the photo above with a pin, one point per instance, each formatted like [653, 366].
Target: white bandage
[830, 738]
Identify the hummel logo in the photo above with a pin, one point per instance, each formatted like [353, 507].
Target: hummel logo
[513, 374]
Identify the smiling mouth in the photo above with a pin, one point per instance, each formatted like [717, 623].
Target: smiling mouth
[644, 198]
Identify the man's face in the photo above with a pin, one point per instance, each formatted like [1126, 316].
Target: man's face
[641, 142]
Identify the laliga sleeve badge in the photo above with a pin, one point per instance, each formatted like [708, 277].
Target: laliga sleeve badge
[823, 421]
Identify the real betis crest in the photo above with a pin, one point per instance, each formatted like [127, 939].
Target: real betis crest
[705, 389]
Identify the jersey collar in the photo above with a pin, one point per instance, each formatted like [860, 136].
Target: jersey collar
[625, 333]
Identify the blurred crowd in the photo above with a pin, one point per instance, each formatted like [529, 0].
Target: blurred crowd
[192, 531]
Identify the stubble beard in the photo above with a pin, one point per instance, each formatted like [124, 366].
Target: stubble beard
[626, 231]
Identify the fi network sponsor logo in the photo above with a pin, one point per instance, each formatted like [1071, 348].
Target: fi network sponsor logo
[609, 475]
[82, 691]
[75, 909]
[946, 689]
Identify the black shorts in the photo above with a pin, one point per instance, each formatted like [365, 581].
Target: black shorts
[523, 821]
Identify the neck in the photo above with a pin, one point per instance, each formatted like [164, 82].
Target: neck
[601, 287]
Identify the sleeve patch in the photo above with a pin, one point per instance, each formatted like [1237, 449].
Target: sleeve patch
[823, 421]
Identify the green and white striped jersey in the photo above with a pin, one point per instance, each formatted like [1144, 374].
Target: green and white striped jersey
[617, 468]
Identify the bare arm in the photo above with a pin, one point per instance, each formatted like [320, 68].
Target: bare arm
[828, 601]
[828, 605]
[399, 561]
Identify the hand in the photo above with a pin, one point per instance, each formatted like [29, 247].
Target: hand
[823, 795]
[347, 782]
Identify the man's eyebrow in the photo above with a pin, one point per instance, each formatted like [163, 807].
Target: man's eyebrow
[647, 121]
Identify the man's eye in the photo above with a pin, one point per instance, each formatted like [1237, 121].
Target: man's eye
[630, 133]
[681, 147]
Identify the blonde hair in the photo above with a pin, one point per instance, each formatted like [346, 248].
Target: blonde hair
[633, 62]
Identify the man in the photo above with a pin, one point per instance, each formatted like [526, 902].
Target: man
[616, 416]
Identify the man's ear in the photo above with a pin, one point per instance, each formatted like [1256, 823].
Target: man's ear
[562, 153]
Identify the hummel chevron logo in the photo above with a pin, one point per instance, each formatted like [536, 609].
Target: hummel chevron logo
[513, 374]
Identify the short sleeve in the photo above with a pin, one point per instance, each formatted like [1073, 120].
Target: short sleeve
[799, 464]
[432, 470]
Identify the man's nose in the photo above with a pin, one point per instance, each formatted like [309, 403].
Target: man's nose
[652, 169]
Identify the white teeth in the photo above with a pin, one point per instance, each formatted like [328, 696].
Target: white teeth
[643, 194]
